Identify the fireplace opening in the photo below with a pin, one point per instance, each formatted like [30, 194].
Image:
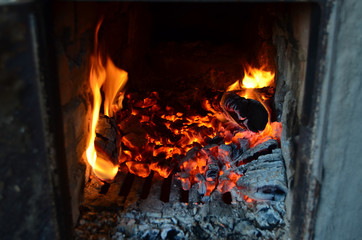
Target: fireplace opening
[164, 97]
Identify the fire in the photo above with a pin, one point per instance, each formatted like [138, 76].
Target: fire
[113, 81]
[170, 135]
[113, 88]
[257, 78]
[257, 84]
[254, 78]
[198, 145]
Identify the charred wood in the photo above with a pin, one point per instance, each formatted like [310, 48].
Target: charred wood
[106, 141]
[264, 178]
[255, 152]
[194, 196]
[245, 112]
[176, 188]
[212, 169]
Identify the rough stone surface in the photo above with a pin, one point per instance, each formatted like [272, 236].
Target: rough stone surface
[73, 43]
[340, 208]
[26, 189]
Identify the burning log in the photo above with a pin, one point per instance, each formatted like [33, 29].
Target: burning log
[106, 141]
[247, 113]
[264, 178]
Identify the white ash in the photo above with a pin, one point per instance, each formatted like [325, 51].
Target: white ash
[212, 220]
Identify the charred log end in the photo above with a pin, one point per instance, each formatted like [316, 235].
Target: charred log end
[264, 178]
[257, 116]
[248, 113]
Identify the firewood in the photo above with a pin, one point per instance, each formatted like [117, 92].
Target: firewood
[255, 152]
[247, 113]
[264, 178]
[106, 141]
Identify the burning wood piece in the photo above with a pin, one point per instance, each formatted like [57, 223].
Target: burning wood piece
[248, 113]
[106, 141]
[264, 178]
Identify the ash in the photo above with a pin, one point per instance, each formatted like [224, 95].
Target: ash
[211, 220]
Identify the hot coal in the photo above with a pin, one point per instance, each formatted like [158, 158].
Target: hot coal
[212, 169]
[212, 172]
[157, 135]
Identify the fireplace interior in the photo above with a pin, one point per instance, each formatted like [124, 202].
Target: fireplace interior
[179, 56]
[150, 130]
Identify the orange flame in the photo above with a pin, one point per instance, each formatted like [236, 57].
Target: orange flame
[253, 78]
[113, 88]
[113, 80]
[257, 78]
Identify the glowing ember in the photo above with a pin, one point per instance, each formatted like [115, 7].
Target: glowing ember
[173, 138]
[247, 199]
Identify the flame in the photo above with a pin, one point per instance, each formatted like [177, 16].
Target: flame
[165, 139]
[257, 78]
[113, 80]
[251, 86]
[234, 86]
[254, 78]
[113, 87]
